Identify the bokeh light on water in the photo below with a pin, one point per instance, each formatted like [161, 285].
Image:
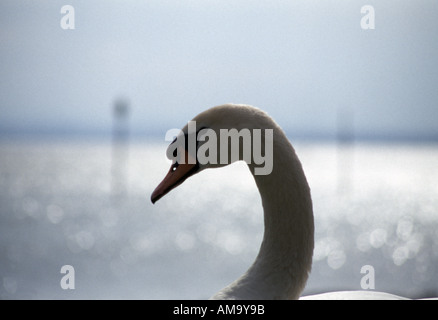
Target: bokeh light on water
[57, 209]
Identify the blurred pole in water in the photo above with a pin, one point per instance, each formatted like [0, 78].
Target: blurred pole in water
[120, 143]
[345, 150]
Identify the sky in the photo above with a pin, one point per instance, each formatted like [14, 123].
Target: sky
[308, 63]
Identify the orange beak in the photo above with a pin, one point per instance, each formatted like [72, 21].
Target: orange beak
[177, 174]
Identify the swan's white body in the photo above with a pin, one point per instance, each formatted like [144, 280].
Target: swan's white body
[282, 266]
[354, 295]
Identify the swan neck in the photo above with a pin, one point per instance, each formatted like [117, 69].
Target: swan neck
[285, 256]
[283, 263]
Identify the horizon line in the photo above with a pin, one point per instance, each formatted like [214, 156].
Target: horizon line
[155, 134]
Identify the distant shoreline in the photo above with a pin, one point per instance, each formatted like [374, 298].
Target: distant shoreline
[102, 136]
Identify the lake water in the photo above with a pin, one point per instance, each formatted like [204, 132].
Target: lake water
[82, 204]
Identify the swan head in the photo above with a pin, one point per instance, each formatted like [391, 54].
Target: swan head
[199, 145]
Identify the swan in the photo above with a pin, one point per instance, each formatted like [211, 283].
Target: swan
[283, 264]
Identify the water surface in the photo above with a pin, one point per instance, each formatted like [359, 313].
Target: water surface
[69, 203]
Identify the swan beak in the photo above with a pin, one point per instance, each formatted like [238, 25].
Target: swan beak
[174, 178]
